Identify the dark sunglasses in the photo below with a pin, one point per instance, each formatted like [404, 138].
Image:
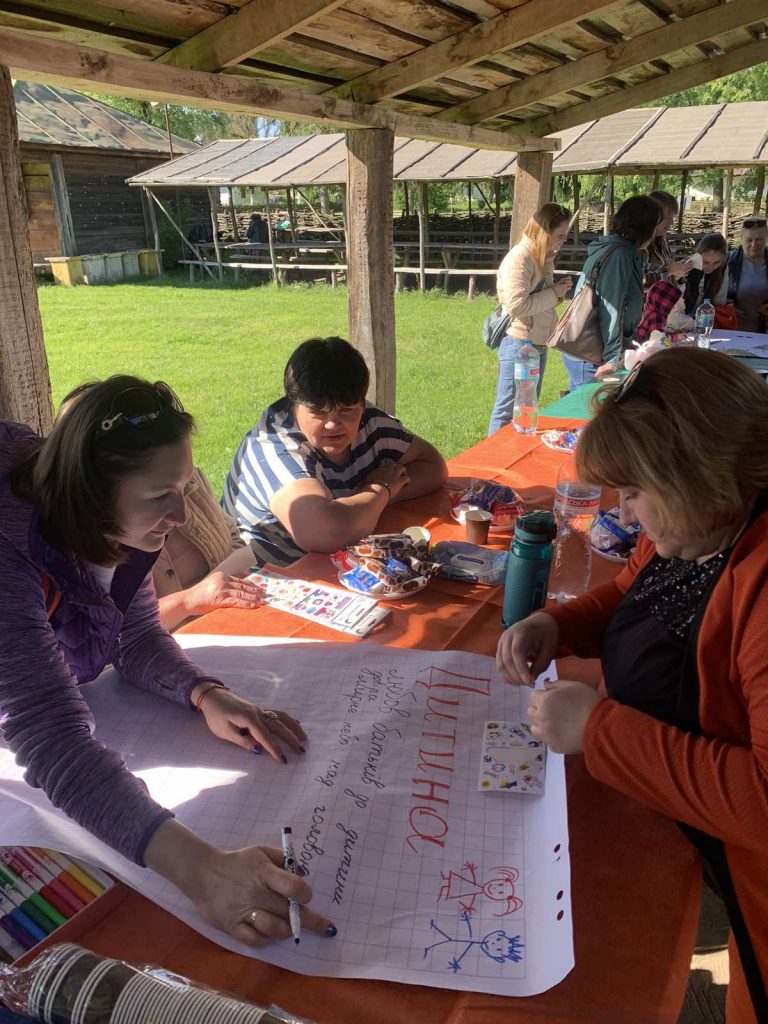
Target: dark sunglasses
[138, 406]
[754, 222]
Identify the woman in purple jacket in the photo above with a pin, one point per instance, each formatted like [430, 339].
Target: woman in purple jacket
[84, 514]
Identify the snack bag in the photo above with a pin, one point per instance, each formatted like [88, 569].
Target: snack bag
[502, 502]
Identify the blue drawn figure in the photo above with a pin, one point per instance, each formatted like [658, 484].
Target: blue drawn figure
[467, 888]
[496, 945]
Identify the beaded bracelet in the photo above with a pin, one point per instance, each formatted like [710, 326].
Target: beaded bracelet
[383, 484]
[201, 696]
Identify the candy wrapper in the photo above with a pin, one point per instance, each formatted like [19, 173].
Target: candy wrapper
[385, 566]
[502, 502]
[470, 563]
[611, 539]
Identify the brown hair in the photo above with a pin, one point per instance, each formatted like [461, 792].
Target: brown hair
[666, 201]
[72, 475]
[539, 227]
[690, 430]
[713, 241]
[636, 220]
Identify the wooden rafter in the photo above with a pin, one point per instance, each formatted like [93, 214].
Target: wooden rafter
[35, 58]
[514, 28]
[653, 89]
[613, 60]
[252, 28]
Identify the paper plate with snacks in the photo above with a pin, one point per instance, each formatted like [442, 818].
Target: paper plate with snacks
[504, 504]
[562, 440]
[611, 539]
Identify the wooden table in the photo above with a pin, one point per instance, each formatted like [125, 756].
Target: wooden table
[635, 880]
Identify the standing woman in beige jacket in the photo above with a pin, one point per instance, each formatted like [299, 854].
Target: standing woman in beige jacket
[529, 295]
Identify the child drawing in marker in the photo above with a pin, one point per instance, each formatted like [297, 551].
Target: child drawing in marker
[464, 886]
[496, 945]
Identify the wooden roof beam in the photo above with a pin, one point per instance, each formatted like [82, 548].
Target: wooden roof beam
[513, 28]
[254, 27]
[39, 59]
[611, 61]
[654, 89]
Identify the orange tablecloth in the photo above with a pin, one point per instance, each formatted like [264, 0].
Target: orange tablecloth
[635, 880]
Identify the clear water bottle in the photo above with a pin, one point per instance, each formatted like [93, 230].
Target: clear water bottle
[705, 321]
[576, 507]
[525, 414]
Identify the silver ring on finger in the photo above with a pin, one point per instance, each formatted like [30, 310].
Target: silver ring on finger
[253, 919]
[270, 714]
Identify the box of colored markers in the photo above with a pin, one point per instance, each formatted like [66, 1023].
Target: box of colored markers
[42, 891]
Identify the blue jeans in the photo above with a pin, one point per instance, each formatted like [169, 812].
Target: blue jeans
[504, 405]
[579, 371]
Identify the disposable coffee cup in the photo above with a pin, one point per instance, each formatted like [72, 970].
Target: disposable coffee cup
[478, 522]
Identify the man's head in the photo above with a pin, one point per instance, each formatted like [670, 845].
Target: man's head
[754, 236]
[326, 381]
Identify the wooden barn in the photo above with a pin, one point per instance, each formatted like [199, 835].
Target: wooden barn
[76, 154]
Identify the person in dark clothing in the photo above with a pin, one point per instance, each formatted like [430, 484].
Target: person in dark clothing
[257, 230]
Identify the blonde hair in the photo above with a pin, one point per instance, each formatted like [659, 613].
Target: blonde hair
[541, 225]
[690, 430]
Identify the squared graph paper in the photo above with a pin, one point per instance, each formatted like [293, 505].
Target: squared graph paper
[428, 880]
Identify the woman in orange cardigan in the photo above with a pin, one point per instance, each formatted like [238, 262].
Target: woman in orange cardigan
[682, 632]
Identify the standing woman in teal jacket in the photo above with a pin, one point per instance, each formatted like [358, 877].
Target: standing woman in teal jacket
[619, 285]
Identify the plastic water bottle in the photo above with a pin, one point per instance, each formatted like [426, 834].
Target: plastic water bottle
[705, 321]
[576, 508]
[530, 556]
[525, 414]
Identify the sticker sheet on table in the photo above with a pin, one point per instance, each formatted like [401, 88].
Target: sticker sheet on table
[428, 880]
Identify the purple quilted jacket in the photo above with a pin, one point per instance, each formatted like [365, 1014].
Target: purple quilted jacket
[43, 717]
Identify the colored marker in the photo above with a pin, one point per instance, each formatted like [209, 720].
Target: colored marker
[66, 864]
[10, 945]
[62, 893]
[34, 934]
[29, 891]
[101, 878]
[17, 897]
[14, 929]
[66, 879]
[289, 863]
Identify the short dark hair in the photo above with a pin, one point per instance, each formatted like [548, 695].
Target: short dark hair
[325, 371]
[636, 219]
[109, 433]
[666, 200]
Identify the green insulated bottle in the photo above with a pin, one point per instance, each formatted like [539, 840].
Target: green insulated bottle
[530, 556]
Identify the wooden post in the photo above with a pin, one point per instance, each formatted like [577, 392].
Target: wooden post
[608, 204]
[370, 274]
[272, 260]
[291, 219]
[174, 224]
[759, 189]
[576, 189]
[406, 200]
[423, 231]
[25, 387]
[683, 190]
[727, 202]
[496, 210]
[232, 214]
[213, 199]
[469, 210]
[150, 208]
[655, 183]
[533, 174]
[61, 206]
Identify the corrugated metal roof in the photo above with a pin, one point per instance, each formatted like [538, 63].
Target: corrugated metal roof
[61, 117]
[731, 134]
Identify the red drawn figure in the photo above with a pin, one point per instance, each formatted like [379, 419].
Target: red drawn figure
[465, 887]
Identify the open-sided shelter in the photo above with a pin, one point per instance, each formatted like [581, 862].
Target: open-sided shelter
[497, 75]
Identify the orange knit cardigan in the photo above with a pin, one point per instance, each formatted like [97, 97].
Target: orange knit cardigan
[716, 782]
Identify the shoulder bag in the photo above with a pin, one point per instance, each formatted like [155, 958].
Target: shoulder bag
[577, 332]
[495, 327]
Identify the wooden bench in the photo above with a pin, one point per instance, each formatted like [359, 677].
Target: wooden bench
[333, 269]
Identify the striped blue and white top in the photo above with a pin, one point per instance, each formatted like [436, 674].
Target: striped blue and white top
[275, 453]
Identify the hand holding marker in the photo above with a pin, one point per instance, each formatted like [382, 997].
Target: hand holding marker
[289, 863]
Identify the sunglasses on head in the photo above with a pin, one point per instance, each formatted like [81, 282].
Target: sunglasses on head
[138, 406]
[754, 222]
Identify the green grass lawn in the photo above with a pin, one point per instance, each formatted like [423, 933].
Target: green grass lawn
[223, 349]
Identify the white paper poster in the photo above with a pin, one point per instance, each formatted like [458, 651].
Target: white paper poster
[428, 879]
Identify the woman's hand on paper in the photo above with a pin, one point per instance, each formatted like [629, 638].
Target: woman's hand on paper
[558, 714]
[243, 892]
[526, 648]
[221, 590]
[236, 720]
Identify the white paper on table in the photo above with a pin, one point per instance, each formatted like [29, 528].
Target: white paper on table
[428, 880]
[745, 341]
